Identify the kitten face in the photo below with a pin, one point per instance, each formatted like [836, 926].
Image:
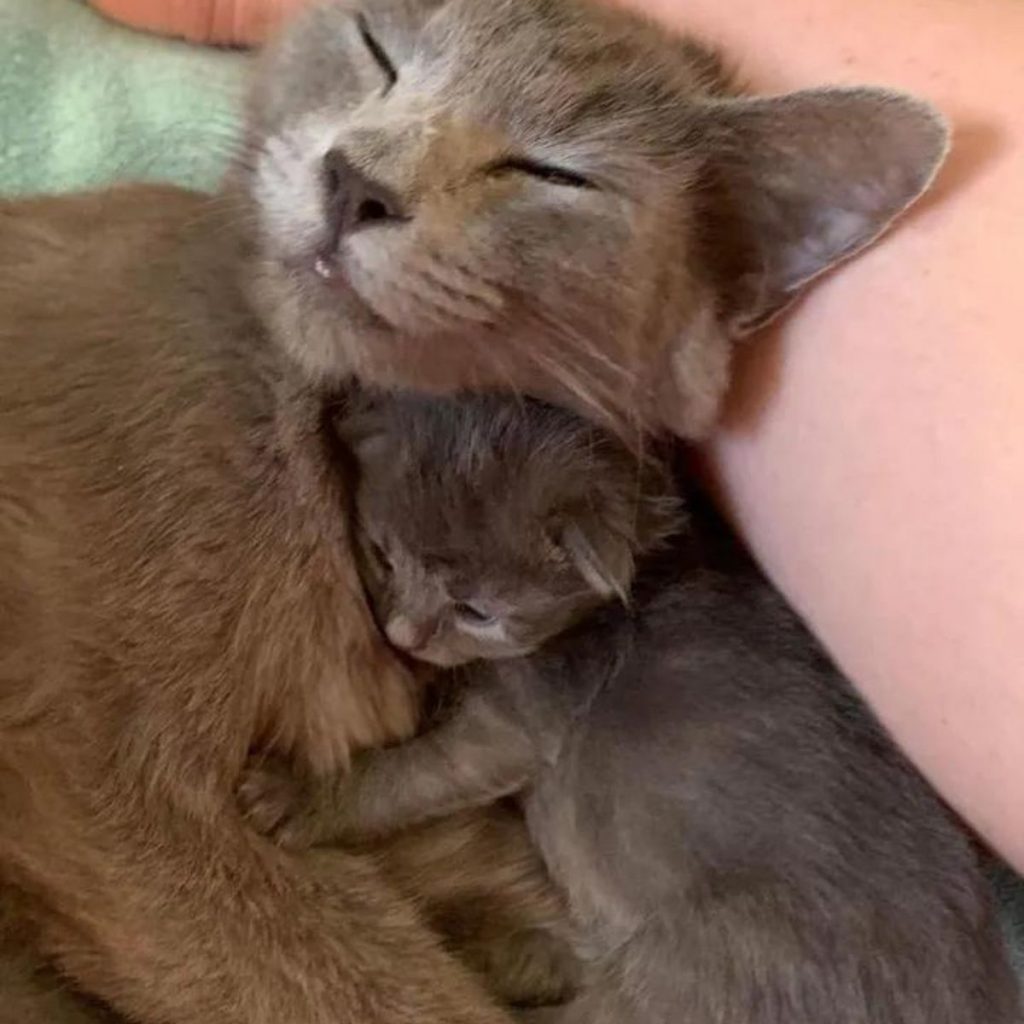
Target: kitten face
[549, 196]
[488, 526]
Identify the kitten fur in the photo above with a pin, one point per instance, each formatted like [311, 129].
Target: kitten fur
[738, 839]
[553, 196]
[178, 587]
[536, 520]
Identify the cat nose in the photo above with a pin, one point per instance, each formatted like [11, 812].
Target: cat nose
[353, 199]
[408, 635]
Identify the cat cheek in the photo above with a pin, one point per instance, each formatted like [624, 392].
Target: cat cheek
[287, 187]
[422, 283]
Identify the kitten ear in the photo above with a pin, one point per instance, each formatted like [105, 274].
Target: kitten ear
[603, 559]
[803, 181]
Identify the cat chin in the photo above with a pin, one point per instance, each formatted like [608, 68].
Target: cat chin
[331, 284]
[327, 326]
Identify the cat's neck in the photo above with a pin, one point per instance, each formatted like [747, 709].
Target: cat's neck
[283, 411]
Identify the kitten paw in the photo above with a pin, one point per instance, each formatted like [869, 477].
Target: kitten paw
[270, 796]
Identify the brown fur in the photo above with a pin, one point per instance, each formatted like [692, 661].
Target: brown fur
[177, 588]
[482, 886]
[30, 991]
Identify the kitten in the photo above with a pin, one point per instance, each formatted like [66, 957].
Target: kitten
[553, 196]
[486, 526]
[537, 194]
[738, 839]
[536, 520]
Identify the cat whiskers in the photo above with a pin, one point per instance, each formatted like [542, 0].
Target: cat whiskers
[577, 364]
[452, 298]
[474, 292]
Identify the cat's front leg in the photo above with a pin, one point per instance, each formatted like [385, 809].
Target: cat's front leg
[487, 750]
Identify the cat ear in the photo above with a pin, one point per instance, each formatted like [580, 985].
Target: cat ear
[602, 558]
[803, 181]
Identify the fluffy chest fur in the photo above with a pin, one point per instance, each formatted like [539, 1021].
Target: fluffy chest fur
[176, 529]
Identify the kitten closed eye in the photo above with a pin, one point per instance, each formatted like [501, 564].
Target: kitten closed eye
[378, 53]
[542, 171]
[379, 555]
[473, 615]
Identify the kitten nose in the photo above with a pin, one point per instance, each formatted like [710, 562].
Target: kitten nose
[406, 634]
[353, 199]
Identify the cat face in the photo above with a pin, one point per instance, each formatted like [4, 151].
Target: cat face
[552, 197]
[486, 526]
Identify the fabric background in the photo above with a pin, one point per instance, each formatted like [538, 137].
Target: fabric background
[84, 101]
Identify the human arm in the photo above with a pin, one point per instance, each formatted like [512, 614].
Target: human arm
[231, 22]
[873, 450]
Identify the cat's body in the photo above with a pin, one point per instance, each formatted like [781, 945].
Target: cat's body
[177, 589]
[176, 584]
[739, 841]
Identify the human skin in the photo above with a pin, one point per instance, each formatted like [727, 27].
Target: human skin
[873, 451]
[202, 21]
[873, 448]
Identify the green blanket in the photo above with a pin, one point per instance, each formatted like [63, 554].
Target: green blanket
[84, 102]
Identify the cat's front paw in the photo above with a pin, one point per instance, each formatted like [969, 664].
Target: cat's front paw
[276, 803]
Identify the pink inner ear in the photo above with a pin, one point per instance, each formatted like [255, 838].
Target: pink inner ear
[813, 177]
[839, 231]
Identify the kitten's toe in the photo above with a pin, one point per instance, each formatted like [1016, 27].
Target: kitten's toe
[267, 796]
[299, 833]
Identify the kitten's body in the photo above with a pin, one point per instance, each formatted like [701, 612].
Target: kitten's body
[739, 841]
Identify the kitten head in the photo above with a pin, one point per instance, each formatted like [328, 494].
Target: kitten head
[487, 525]
[551, 196]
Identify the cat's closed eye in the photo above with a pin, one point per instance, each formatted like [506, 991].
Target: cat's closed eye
[550, 173]
[378, 53]
[472, 614]
[379, 555]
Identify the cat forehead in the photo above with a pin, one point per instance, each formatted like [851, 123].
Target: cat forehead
[531, 67]
[483, 449]
[485, 507]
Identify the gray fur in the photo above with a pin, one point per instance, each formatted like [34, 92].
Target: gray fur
[738, 839]
[680, 215]
[488, 525]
